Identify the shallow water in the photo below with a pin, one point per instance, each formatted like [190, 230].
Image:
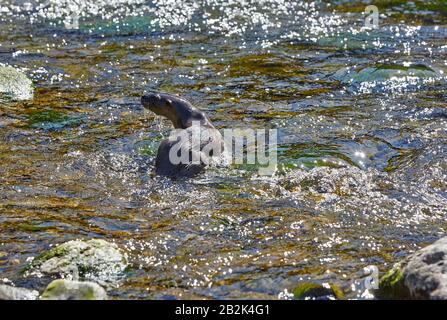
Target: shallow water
[362, 165]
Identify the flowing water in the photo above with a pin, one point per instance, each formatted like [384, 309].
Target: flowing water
[361, 117]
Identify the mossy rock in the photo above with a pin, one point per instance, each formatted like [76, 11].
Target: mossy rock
[93, 260]
[62, 289]
[312, 290]
[14, 85]
[419, 276]
[392, 285]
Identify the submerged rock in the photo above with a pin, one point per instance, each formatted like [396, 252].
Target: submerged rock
[13, 293]
[342, 182]
[387, 77]
[96, 260]
[422, 275]
[384, 72]
[316, 291]
[14, 85]
[73, 290]
[349, 41]
[52, 120]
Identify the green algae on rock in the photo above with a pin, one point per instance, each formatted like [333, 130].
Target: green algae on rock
[311, 290]
[95, 260]
[51, 120]
[392, 284]
[14, 85]
[63, 289]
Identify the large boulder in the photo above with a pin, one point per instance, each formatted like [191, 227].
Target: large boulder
[93, 260]
[13, 293]
[422, 275]
[14, 85]
[63, 289]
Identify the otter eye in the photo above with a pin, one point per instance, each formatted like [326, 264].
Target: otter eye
[169, 101]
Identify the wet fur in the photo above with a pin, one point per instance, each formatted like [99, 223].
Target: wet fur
[182, 114]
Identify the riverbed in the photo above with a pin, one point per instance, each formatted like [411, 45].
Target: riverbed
[361, 116]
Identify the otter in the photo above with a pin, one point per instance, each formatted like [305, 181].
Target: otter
[195, 136]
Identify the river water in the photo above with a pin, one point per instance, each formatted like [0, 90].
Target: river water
[360, 113]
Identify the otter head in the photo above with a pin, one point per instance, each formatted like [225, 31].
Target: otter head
[176, 109]
[159, 103]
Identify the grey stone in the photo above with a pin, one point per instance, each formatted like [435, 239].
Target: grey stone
[13, 293]
[422, 275]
